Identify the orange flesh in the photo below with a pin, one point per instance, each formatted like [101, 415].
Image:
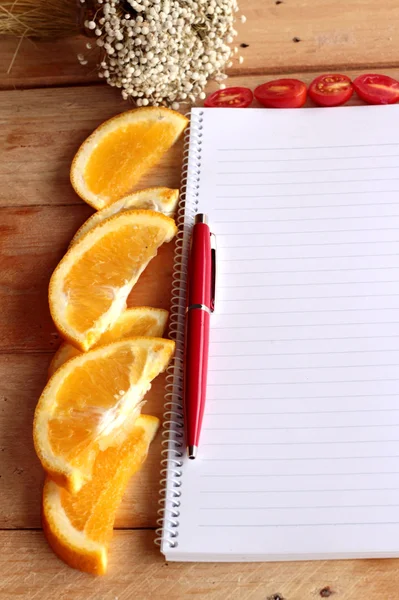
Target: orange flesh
[93, 508]
[124, 328]
[85, 398]
[92, 408]
[143, 326]
[123, 156]
[120, 256]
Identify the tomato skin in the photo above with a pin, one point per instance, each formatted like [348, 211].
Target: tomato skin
[331, 90]
[281, 93]
[377, 89]
[233, 97]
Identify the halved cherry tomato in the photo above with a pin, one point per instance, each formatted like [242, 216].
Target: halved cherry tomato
[331, 90]
[234, 97]
[377, 89]
[281, 93]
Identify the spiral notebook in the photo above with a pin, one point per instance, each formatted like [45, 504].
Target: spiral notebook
[299, 455]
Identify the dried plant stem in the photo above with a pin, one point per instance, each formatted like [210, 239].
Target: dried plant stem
[38, 18]
[15, 55]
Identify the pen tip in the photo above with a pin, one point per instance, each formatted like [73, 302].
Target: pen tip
[192, 451]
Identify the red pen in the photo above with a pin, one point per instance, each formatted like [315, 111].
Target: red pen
[200, 305]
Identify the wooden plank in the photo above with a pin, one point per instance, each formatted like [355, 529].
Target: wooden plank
[41, 132]
[44, 130]
[282, 35]
[32, 242]
[35, 64]
[22, 378]
[303, 35]
[29, 570]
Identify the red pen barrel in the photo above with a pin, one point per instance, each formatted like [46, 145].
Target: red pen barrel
[196, 374]
[197, 332]
[200, 266]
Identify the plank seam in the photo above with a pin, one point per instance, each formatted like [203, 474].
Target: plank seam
[256, 71]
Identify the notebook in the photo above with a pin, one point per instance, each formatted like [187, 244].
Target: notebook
[299, 453]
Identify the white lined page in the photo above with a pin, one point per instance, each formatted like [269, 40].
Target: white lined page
[299, 455]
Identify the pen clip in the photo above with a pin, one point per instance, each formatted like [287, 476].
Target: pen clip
[213, 271]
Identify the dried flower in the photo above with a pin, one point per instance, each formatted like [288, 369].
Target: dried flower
[164, 51]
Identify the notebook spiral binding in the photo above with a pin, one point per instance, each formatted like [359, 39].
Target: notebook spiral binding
[172, 429]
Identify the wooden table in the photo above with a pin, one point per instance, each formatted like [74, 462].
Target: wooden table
[48, 104]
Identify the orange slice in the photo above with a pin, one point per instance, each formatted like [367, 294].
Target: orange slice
[139, 321]
[89, 287]
[160, 199]
[79, 526]
[92, 402]
[118, 153]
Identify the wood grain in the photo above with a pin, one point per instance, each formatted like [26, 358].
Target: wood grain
[137, 571]
[287, 35]
[36, 64]
[39, 212]
[41, 132]
[35, 230]
[32, 241]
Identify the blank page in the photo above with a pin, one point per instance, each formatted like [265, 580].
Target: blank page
[299, 455]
